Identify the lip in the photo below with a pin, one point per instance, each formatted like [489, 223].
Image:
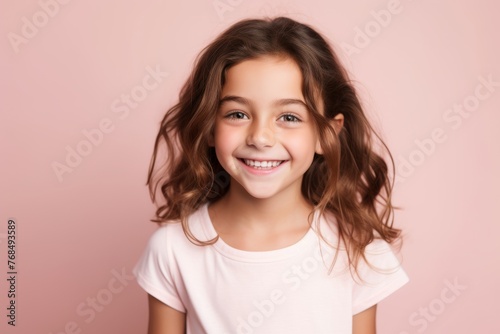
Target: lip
[262, 171]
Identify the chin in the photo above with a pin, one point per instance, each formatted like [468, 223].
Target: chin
[261, 193]
[258, 194]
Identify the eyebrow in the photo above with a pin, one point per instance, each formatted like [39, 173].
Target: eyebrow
[277, 103]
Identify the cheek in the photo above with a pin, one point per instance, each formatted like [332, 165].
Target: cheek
[301, 145]
[225, 139]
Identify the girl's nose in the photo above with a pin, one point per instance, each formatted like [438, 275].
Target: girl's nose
[260, 136]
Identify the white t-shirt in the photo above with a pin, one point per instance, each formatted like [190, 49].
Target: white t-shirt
[289, 290]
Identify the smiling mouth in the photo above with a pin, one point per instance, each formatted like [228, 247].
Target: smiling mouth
[259, 164]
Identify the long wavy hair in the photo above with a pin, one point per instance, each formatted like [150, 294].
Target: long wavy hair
[349, 180]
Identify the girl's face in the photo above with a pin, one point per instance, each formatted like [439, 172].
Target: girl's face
[264, 136]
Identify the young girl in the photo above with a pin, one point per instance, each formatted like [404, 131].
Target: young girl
[276, 214]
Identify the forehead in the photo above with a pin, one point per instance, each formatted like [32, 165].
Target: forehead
[264, 78]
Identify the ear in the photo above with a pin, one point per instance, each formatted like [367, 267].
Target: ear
[318, 149]
[337, 123]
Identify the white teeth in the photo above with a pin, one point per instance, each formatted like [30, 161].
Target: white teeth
[262, 164]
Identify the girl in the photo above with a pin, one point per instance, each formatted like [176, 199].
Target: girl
[277, 210]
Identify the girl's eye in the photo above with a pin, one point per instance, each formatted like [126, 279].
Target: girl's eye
[290, 118]
[236, 115]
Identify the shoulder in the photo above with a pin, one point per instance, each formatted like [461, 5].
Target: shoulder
[380, 257]
[380, 261]
[378, 251]
[173, 234]
[159, 249]
[168, 246]
[166, 232]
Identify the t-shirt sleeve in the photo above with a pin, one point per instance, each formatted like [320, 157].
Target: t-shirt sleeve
[382, 278]
[156, 270]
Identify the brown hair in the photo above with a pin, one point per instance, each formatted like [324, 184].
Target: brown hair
[349, 179]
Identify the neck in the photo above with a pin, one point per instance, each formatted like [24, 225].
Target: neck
[284, 211]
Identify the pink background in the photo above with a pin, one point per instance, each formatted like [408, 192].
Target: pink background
[78, 232]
